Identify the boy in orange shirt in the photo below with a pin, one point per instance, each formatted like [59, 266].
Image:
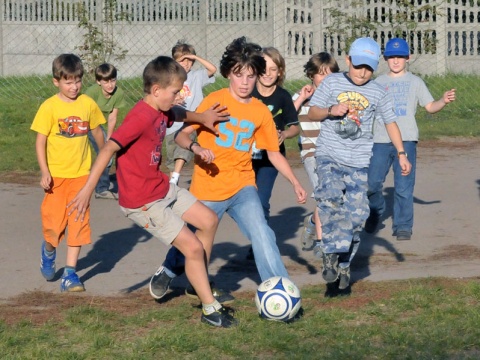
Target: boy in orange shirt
[223, 178]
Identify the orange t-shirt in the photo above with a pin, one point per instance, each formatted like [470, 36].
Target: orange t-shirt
[232, 167]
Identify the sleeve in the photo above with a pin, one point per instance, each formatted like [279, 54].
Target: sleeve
[205, 79]
[423, 94]
[120, 101]
[43, 121]
[320, 96]
[96, 116]
[385, 110]
[291, 116]
[130, 130]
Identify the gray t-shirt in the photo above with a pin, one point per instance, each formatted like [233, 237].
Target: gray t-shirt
[348, 140]
[192, 93]
[408, 92]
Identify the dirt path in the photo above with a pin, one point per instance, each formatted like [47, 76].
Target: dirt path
[122, 257]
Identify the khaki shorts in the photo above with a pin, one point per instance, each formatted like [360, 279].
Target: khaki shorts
[163, 218]
[55, 219]
[175, 152]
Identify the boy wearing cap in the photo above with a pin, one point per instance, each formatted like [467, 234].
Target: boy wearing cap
[408, 91]
[347, 103]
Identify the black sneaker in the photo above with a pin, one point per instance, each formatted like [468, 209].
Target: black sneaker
[220, 318]
[330, 267]
[372, 223]
[159, 283]
[333, 290]
[404, 235]
[221, 296]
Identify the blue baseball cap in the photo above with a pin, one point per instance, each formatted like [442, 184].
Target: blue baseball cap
[396, 47]
[365, 51]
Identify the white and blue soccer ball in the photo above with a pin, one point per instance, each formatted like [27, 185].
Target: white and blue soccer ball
[278, 298]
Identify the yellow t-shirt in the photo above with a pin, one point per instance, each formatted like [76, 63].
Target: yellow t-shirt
[232, 167]
[66, 126]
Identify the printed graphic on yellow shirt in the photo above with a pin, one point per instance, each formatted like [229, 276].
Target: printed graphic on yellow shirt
[349, 126]
[72, 126]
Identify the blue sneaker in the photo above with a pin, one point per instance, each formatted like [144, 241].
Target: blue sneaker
[71, 283]
[47, 264]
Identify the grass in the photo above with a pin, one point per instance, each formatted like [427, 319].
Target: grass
[21, 96]
[433, 318]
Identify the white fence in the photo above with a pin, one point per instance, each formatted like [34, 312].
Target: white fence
[33, 32]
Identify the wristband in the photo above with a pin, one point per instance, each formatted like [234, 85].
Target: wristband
[330, 111]
[402, 153]
[191, 145]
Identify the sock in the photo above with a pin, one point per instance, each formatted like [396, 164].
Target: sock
[49, 254]
[68, 270]
[174, 178]
[211, 308]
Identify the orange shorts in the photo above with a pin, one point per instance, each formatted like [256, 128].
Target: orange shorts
[55, 219]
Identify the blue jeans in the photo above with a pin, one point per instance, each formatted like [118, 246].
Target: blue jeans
[384, 156]
[265, 177]
[246, 210]
[104, 181]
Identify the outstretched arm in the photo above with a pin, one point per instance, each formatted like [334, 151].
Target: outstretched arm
[81, 201]
[438, 105]
[182, 138]
[208, 118]
[281, 164]
[396, 138]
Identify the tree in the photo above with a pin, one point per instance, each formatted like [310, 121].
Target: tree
[99, 45]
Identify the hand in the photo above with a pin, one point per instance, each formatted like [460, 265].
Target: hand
[300, 193]
[187, 56]
[449, 96]
[214, 114]
[281, 136]
[405, 165]
[339, 109]
[206, 155]
[46, 181]
[80, 203]
[306, 91]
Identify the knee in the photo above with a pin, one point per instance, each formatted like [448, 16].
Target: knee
[209, 221]
[194, 250]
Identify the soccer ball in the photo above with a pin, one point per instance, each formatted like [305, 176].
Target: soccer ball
[278, 298]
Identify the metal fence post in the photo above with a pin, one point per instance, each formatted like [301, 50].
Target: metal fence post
[2, 4]
[441, 35]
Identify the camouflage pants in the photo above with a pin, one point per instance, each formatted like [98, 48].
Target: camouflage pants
[341, 196]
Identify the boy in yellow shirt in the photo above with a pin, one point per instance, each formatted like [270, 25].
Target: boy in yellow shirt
[63, 153]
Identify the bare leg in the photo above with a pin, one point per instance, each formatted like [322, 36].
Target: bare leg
[195, 263]
[73, 253]
[206, 223]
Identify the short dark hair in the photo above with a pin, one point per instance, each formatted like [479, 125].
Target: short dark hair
[239, 54]
[318, 63]
[162, 71]
[105, 72]
[182, 48]
[67, 66]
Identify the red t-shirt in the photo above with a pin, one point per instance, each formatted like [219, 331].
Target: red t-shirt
[140, 137]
